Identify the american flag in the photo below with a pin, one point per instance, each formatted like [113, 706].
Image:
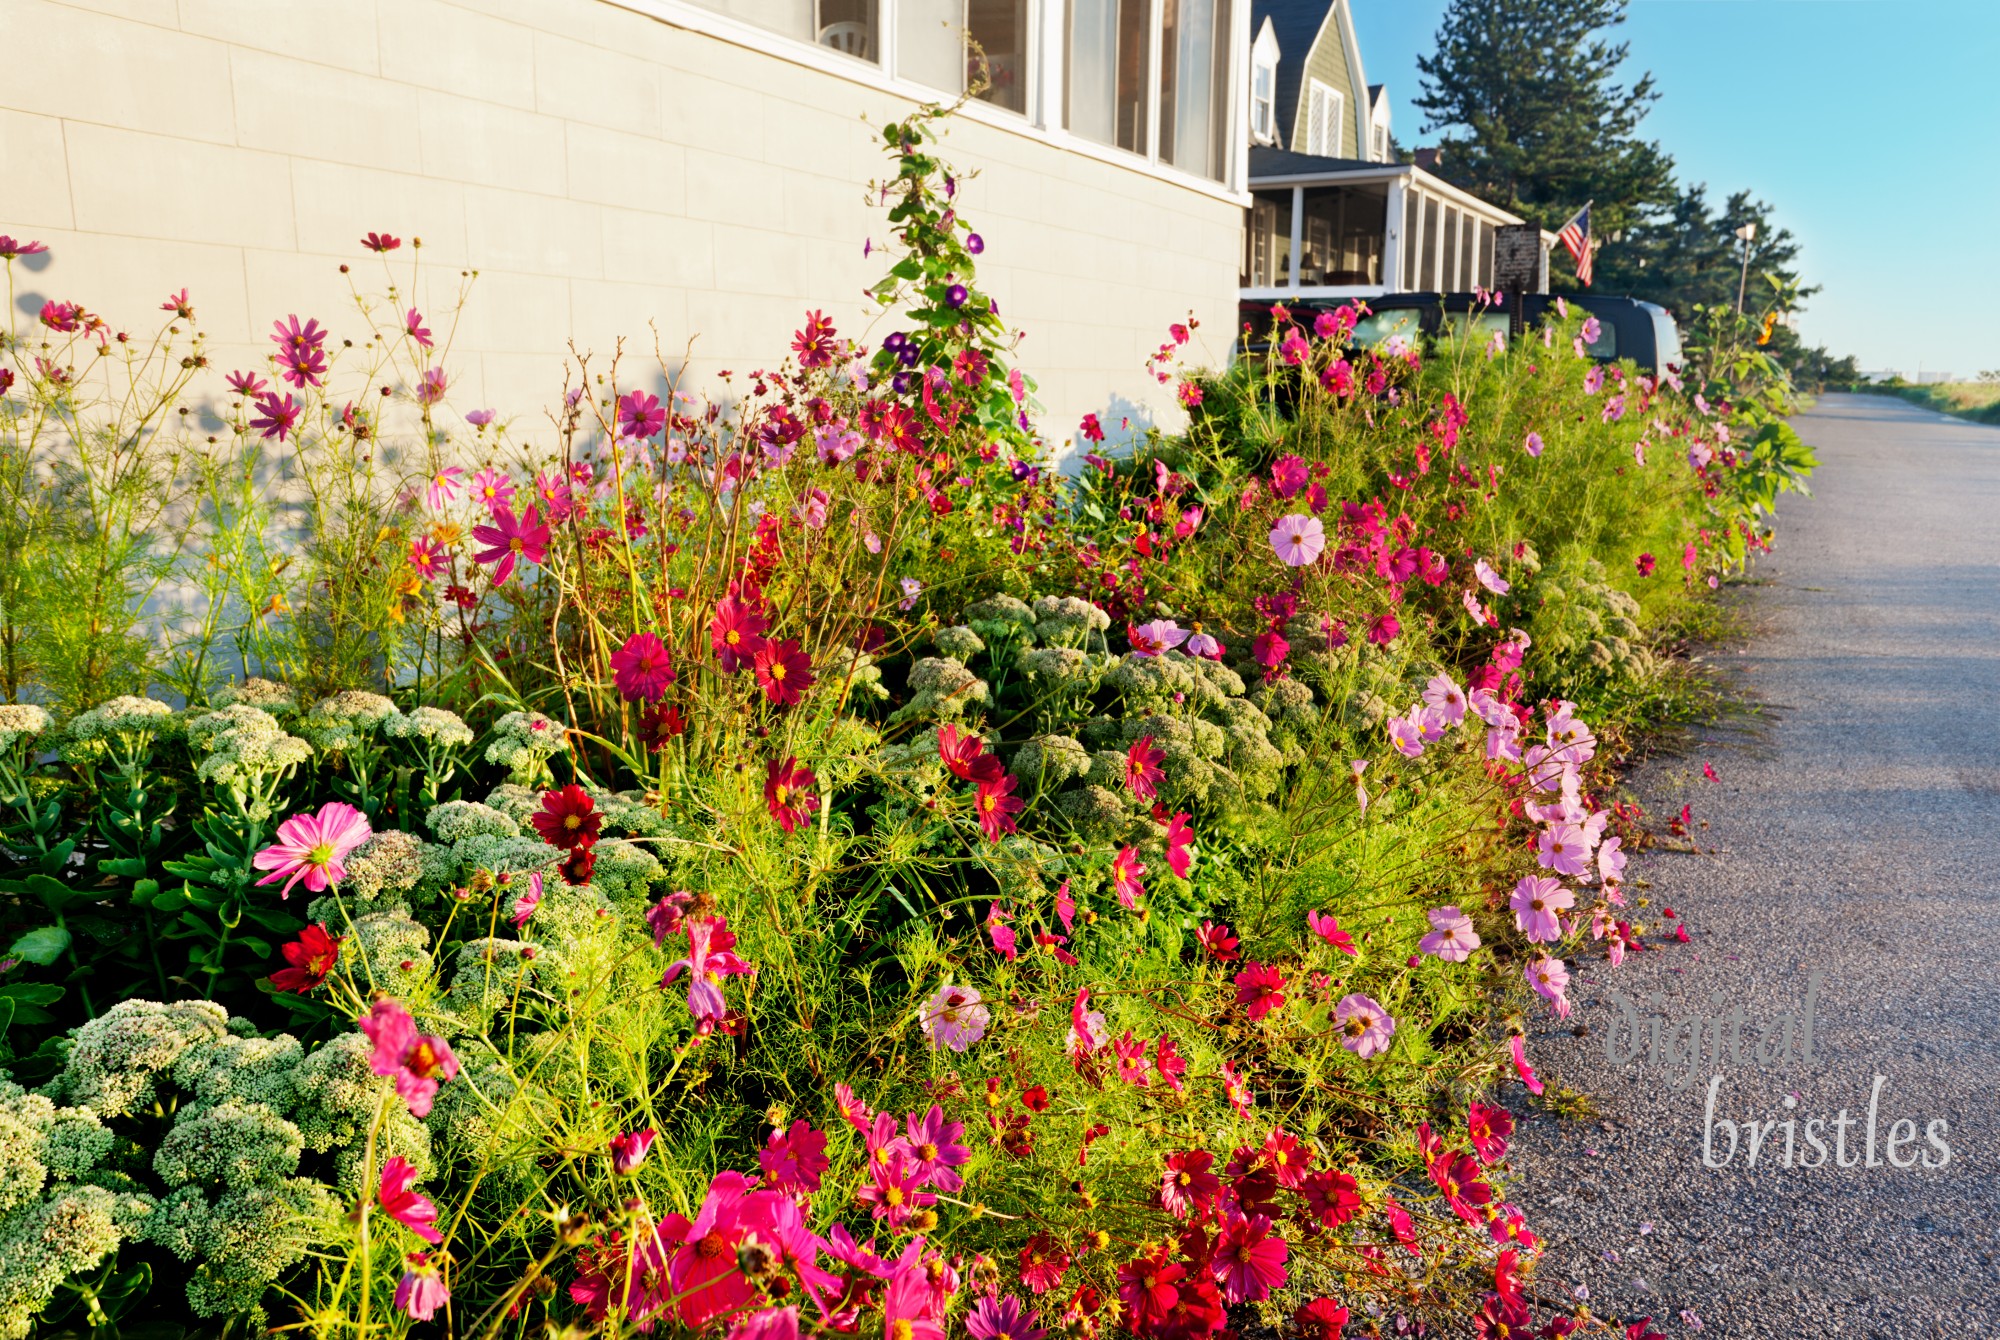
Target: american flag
[1575, 235]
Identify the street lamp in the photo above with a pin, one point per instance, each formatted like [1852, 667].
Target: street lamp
[1746, 234]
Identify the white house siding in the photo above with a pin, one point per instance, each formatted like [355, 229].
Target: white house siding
[600, 169]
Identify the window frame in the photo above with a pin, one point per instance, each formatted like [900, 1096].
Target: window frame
[1318, 93]
[1047, 51]
[1263, 110]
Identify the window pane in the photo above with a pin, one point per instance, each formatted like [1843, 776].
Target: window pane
[1107, 71]
[845, 25]
[1340, 240]
[794, 18]
[1000, 33]
[1267, 242]
[1192, 84]
[930, 42]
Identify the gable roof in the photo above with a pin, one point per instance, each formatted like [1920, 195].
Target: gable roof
[1296, 24]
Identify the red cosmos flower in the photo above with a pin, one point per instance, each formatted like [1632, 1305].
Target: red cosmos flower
[1092, 430]
[568, 818]
[1642, 1329]
[1220, 942]
[509, 540]
[1180, 836]
[1489, 1128]
[1260, 988]
[814, 344]
[1458, 1177]
[1142, 768]
[997, 806]
[736, 633]
[642, 669]
[1187, 1187]
[788, 793]
[1126, 868]
[62, 317]
[1146, 1285]
[1249, 1259]
[381, 242]
[1130, 1055]
[1169, 1062]
[783, 671]
[966, 757]
[1333, 1197]
[1328, 929]
[1384, 630]
[1043, 1263]
[311, 958]
[1502, 1319]
[1035, 1099]
[1645, 565]
[1287, 1157]
[657, 725]
[1321, 1319]
[577, 866]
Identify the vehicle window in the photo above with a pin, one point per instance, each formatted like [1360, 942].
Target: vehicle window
[1376, 327]
[1606, 343]
[1483, 326]
[1668, 337]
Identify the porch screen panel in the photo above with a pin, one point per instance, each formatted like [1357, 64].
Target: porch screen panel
[1428, 263]
[1341, 237]
[1413, 219]
[1468, 242]
[1447, 278]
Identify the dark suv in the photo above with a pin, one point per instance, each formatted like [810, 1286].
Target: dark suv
[1628, 328]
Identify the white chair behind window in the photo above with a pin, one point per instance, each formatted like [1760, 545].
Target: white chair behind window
[849, 38]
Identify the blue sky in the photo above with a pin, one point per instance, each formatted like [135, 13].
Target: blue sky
[1871, 125]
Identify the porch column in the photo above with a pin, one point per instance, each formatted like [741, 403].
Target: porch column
[1393, 241]
[1298, 232]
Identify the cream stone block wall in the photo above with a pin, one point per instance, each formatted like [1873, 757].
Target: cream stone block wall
[607, 174]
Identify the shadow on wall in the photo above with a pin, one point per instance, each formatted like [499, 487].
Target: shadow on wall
[1125, 422]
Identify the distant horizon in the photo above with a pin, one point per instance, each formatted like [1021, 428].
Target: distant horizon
[1834, 141]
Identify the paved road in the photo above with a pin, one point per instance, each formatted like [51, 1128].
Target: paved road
[1856, 830]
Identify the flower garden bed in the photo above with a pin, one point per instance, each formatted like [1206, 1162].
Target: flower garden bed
[798, 863]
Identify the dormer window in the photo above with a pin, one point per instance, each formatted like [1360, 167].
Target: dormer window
[1263, 100]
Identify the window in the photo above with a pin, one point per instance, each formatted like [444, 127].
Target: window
[1263, 100]
[1324, 106]
[1108, 74]
[1267, 241]
[953, 45]
[1379, 143]
[1380, 327]
[1340, 240]
[1000, 36]
[1194, 84]
[847, 26]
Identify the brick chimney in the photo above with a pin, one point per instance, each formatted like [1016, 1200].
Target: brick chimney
[1429, 159]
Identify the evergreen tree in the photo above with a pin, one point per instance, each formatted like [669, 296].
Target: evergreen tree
[1535, 118]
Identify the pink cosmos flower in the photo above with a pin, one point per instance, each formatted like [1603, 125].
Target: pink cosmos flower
[1452, 937]
[509, 540]
[276, 416]
[1169, 1062]
[954, 1017]
[1298, 539]
[1611, 860]
[1002, 1318]
[1537, 900]
[1564, 848]
[640, 414]
[427, 556]
[1407, 734]
[246, 384]
[493, 488]
[1359, 766]
[525, 905]
[421, 1291]
[1527, 1072]
[1365, 1027]
[794, 1161]
[703, 1274]
[710, 958]
[1002, 935]
[418, 1062]
[1249, 1259]
[1142, 768]
[1180, 837]
[413, 325]
[381, 242]
[431, 386]
[766, 1323]
[443, 487]
[479, 418]
[1289, 476]
[1446, 698]
[9, 248]
[1384, 630]
[628, 1150]
[937, 1148]
[1087, 1032]
[1328, 929]
[1551, 979]
[412, 1210]
[641, 669]
[1126, 870]
[1534, 444]
[1490, 579]
[311, 847]
[1150, 639]
[1202, 645]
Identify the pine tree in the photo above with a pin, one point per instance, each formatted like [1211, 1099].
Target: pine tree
[1535, 118]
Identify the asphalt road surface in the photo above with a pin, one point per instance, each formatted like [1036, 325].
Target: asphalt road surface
[1854, 834]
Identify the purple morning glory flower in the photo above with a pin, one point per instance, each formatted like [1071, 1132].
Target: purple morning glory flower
[974, 243]
[956, 295]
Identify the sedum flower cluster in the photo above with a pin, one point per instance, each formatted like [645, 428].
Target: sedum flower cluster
[345, 721]
[240, 746]
[524, 742]
[20, 723]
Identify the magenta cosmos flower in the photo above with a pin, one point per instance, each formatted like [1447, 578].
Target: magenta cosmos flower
[1298, 539]
[421, 1291]
[1533, 446]
[1249, 1259]
[1365, 1027]
[1452, 937]
[628, 1150]
[276, 415]
[493, 488]
[642, 669]
[509, 540]
[311, 847]
[1002, 1318]
[418, 1062]
[1537, 900]
[954, 1018]
[412, 1209]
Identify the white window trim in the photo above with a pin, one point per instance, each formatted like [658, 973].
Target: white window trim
[1263, 129]
[1043, 120]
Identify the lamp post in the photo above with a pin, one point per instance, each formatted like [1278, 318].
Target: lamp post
[1746, 234]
